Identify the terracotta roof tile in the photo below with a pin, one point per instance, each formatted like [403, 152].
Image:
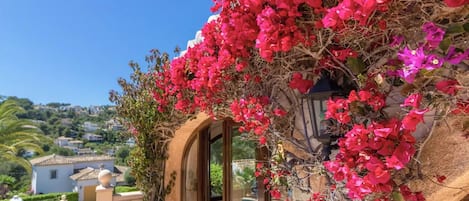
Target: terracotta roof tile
[88, 174]
[60, 160]
[50, 160]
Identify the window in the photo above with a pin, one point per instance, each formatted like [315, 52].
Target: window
[53, 174]
[220, 164]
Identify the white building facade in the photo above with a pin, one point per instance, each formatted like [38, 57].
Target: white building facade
[55, 174]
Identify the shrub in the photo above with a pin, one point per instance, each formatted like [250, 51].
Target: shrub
[129, 178]
[50, 197]
[216, 178]
[124, 189]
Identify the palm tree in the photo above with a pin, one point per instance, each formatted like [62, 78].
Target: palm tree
[17, 135]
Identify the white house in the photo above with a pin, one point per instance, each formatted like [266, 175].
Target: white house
[90, 126]
[54, 173]
[95, 110]
[130, 142]
[62, 141]
[114, 125]
[75, 143]
[93, 137]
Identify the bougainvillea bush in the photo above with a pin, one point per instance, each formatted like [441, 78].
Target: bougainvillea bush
[259, 59]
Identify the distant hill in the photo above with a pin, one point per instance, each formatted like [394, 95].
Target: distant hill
[62, 119]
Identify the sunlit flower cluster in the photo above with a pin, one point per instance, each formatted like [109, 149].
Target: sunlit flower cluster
[372, 151]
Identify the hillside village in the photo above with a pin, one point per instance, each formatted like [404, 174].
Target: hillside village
[82, 140]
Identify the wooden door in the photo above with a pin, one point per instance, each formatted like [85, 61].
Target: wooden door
[89, 193]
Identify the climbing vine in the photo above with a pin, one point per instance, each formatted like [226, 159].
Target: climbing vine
[151, 128]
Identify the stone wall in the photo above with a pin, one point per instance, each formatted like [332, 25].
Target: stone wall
[445, 153]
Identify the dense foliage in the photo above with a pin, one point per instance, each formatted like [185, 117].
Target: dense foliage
[17, 135]
[259, 58]
[151, 129]
[50, 197]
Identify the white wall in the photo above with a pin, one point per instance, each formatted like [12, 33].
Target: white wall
[43, 184]
[33, 179]
[61, 142]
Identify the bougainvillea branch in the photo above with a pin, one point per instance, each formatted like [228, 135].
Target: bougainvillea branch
[259, 59]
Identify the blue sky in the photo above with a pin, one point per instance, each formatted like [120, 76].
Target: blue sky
[73, 51]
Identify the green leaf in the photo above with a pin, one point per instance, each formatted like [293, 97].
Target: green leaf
[455, 28]
[466, 27]
[356, 65]
[445, 43]
[397, 196]
[277, 180]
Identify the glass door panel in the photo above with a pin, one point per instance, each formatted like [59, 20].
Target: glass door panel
[216, 168]
[191, 181]
[243, 165]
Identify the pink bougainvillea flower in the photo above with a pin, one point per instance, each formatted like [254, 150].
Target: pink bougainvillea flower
[357, 138]
[394, 162]
[263, 100]
[434, 35]
[387, 148]
[454, 57]
[332, 166]
[461, 107]
[406, 136]
[317, 196]
[411, 120]
[456, 3]
[259, 130]
[337, 109]
[382, 25]
[262, 140]
[331, 18]
[134, 131]
[378, 176]
[343, 117]
[419, 196]
[409, 195]
[449, 87]
[342, 55]
[259, 165]
[382, 132]
[404, 152]
[314, 3]
[433, 62]
[280, 112]
[396, 40]
[318, 25]
[373, 163]
[408, 73]
[413, 100]
[364, 95]
[413, 61]
[358, 187]
[440, 178]
[353, 96]
[257, 173]
[412, 58]
[377, 102]
[275, 193]
[302, 85]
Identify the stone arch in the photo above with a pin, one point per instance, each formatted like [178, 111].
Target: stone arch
[177, 149]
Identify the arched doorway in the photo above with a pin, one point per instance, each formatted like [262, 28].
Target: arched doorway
[219, 164]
